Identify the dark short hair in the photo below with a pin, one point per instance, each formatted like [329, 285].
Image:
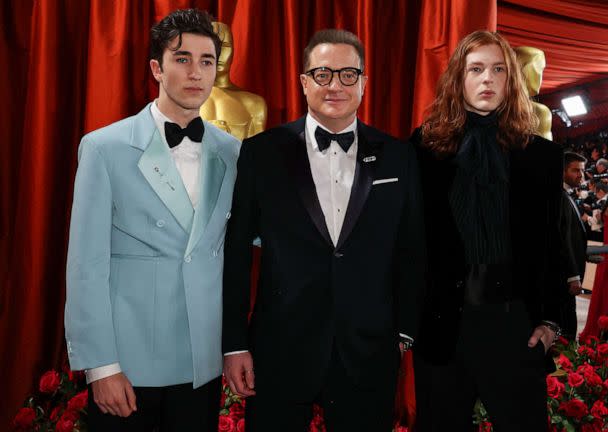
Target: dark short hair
[333, 36]
[179, 22]
[601, 186]
[570, 157]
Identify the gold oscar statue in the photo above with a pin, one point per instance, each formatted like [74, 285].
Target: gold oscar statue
[236, 111]
[532, 63]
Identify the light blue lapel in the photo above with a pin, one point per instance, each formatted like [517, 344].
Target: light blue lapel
[212, 171]
[157, 166]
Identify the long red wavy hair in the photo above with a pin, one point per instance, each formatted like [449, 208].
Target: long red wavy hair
[444, 124]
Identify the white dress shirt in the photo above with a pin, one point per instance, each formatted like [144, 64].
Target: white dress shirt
[187, 156]
[333, 171]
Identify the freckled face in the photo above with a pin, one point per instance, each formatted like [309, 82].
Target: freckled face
[485, 78]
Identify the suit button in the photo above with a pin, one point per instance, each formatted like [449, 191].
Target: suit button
[459, 284]
[188, 259]
[338, 255]
[214, 253]
[160, 223]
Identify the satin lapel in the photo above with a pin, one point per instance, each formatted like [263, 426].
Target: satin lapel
[212, 172]
[578, 214]
[160, 171]
[367, 155]
[299, 167]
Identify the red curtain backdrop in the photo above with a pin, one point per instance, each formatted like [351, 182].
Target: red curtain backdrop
[72, 66]
[442, 25]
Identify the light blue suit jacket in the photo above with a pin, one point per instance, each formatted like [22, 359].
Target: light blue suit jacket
[144, 273]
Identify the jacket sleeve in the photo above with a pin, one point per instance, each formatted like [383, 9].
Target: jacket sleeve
[242, 229]
[411, 250]
[89, 328]
[554, 283]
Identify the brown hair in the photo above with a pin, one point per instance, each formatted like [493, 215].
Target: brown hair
[443, 126]
[175, 24]
[333, 36]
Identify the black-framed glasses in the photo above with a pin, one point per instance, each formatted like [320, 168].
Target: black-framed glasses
[348, 76]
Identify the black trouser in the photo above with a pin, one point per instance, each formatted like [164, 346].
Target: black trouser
[492, 362]
[347, 408]
[163, 409]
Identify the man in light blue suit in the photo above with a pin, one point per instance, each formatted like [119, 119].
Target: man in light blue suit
[151, 200]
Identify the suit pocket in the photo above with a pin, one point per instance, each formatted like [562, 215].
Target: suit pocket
[134, 256]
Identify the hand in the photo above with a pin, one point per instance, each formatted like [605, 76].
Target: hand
[402, 348]
[238, 369]
[544, 334]
[114, 395]
[585, 217]
[575, 287]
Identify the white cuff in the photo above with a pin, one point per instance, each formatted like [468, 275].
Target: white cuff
[574, 278]
[235, 352]
[404, 336]
[100, 372]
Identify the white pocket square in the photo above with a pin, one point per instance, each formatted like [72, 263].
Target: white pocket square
[386, 180]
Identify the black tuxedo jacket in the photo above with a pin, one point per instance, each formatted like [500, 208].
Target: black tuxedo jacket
[535, 251]
[574, 234]
[313, 297]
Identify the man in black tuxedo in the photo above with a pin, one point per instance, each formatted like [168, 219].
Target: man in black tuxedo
[337, 207]
[574, 235]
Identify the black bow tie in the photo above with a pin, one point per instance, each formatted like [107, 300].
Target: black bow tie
[175, 134]
[324, 138]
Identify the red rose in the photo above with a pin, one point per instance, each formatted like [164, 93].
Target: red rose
[602, 350]
[24, 418]
[602, 322]
[592, 378]
[79, 402]
[55, 413]
[554, 387]
[564, 362]
[226, 424]
[592, 427]
[574, 408]
[49, 382]
[590, 340]
[586, 351]
[236, 411]
[599, 410]
[66, 425]
[240, 426]
[575, 379]
[70, 416]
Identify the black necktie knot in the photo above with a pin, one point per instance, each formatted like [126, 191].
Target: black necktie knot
[324, 138]
[175, 134]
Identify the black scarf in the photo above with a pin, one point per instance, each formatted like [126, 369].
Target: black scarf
[479, 197]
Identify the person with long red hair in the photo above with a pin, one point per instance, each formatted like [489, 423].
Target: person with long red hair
[490, 311]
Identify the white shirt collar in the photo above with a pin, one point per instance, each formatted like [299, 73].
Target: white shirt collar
[567, 187]
[311, 126]
[159, 119]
